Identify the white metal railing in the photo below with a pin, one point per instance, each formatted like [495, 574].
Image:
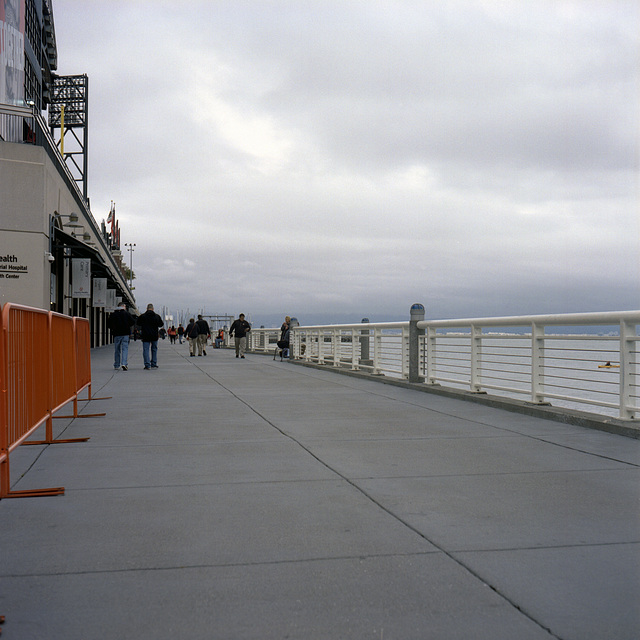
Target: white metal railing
[573, 360]
[381, 348]
[262, 340]
[543, 358]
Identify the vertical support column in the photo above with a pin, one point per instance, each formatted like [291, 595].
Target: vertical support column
[336, 343]
[417, 315]
[627, 333]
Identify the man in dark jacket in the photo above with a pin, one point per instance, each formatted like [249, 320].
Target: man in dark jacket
[240, 328]
[283, 343]
[149, 323]
[203, 333]
[120, 323]
[191, 334]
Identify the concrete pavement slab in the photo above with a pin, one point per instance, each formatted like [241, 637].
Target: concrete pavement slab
[250, 498]
[164, 527]
[452, 457]
[553, 584]
[398, 422]
[472, 413]
[509, 511]
[408, 598]
[166, 464]
[601, 444]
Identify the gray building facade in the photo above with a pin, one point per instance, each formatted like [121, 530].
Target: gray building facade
[53, 253]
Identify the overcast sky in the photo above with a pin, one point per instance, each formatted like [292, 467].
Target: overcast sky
[336, 159]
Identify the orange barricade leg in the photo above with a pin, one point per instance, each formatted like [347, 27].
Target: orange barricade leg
[89, 398]
[48, 439]
[5, 484]
[6, 492]
[83, 415]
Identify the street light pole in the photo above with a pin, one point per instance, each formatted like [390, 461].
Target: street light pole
[130, 249]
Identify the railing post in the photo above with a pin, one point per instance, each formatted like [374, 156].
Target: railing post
[431, 376]
[476, 358]
[417, 315]
[377, 350]
[537, 364]
[293, 322]
[225, 333]
[627, 332]
[355, 350]
[365, 359]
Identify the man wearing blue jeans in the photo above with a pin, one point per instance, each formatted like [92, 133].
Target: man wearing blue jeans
[149, 322]
[120, 323]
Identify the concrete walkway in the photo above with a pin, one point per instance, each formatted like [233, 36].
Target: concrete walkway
[228, 498]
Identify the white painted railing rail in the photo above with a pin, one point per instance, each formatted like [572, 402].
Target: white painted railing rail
[570, 360]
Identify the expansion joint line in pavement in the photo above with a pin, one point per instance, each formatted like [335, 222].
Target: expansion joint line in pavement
[380, 506]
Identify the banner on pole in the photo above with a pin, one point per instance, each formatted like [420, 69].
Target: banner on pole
[99, 292]
[111, 300]
[81, 278]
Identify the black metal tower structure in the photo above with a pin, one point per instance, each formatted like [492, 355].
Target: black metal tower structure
[70, 96]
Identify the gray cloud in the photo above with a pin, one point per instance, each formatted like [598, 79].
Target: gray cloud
[340, 159]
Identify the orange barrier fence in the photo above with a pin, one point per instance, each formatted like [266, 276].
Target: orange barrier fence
[63, 362]
[44, 364]
[74, 335]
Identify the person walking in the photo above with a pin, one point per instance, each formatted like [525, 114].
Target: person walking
[149, 323]
[283, 343]
[120, 323]
[203, 334]
[239, 329]
[191, 335]
[172, 334]
[180, 332]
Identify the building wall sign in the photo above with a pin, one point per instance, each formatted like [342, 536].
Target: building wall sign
[11, 267]
[81, 278]
[22, 269]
